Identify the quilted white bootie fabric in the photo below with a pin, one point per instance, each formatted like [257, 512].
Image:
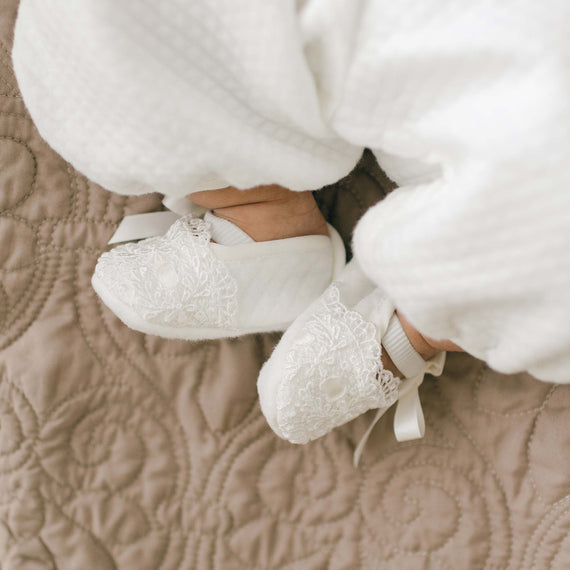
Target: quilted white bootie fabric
[466, 105]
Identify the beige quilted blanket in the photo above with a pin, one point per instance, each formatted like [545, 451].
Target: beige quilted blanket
[125, 451]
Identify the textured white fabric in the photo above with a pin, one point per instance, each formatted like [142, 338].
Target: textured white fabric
[173, 280]
[224, 232]
[400, 350]
[466, 105]
[176, 95]
[182, 285]
[327, 368]
[333, 372]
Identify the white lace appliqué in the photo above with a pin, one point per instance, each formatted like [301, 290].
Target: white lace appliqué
[333, 373]
[172, 280]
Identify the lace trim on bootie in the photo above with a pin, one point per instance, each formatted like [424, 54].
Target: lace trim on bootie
[173, 280]
[333, 372]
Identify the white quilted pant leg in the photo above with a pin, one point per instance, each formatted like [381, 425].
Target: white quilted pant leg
[177, 96]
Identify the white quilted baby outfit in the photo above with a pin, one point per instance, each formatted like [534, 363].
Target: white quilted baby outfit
[465, 104]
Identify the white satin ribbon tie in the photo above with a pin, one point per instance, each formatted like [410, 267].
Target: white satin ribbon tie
[152, 224]
[409, 422]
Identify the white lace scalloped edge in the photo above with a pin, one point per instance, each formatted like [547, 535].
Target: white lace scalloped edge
[337, 350]
[146, 277]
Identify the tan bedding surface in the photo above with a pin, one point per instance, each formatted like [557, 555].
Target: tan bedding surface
[125, 451]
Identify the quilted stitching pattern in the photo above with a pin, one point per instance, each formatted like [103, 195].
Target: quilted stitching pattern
[120, 450]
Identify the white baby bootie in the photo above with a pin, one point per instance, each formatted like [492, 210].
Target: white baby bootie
[182, 285]
[327, 368]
